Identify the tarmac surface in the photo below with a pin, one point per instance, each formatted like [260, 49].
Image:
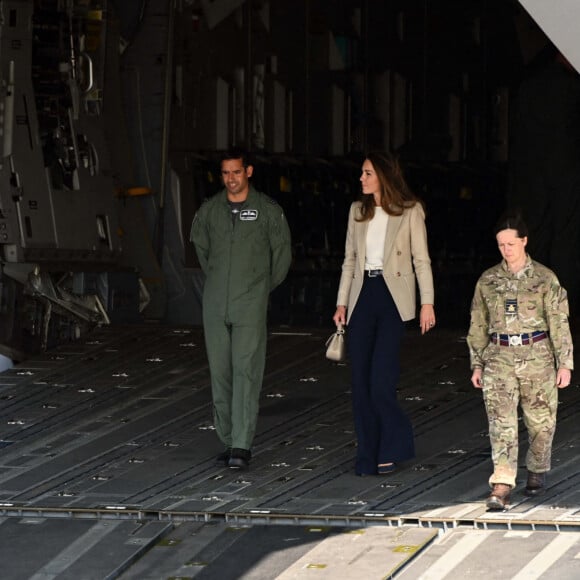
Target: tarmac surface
[107, 470]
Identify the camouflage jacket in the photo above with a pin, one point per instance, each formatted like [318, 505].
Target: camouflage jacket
[530, 300]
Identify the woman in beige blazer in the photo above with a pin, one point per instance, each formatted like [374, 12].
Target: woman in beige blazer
[386, 257]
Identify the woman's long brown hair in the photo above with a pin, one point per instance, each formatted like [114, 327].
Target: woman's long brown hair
[396, 195]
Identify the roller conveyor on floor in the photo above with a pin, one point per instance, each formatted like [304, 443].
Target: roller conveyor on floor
[117, 429]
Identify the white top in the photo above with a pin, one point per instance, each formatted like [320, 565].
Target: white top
[376, 233]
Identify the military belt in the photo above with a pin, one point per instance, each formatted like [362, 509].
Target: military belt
[518, 339]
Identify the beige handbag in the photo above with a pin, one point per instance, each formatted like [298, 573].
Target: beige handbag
[336, 345]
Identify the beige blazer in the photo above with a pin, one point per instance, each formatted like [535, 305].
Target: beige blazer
[406, 261]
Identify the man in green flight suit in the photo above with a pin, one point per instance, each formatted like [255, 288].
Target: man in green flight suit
[243, 245]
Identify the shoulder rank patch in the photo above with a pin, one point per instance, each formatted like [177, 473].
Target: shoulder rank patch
[511, 306]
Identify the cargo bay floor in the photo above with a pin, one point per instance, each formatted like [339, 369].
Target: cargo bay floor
[106, 470]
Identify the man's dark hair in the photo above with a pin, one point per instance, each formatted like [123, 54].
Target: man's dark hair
[512, 219]
[237, 153]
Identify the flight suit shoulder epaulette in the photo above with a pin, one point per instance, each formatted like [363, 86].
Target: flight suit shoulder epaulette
[270, 205]
[270, 200]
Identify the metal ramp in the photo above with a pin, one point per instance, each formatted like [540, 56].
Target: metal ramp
[107, 450]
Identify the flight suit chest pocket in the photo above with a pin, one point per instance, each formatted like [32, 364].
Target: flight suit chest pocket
[251, 229]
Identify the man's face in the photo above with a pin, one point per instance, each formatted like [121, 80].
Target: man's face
[235, 177]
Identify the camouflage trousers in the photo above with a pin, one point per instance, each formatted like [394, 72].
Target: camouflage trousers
[522, 376]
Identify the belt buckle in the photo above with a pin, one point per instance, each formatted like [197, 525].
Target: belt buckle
[373, 273]
[515, 340]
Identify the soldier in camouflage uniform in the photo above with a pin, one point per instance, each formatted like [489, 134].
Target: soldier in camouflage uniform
[521, 352]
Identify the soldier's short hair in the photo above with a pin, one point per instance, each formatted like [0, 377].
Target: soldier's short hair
[512, 219]
[236, 153]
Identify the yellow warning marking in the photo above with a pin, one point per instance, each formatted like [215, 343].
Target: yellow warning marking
[168, 542]
[316, 566]
[405, 549]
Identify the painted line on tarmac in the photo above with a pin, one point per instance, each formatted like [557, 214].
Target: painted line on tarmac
[548, 556]
[445, 564]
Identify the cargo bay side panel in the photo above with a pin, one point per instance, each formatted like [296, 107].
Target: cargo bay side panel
[56, 187]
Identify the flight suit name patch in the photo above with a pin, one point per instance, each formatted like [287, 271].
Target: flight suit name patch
[249, 215]
[511, 306]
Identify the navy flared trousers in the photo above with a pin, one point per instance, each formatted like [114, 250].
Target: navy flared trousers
[384, 432]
